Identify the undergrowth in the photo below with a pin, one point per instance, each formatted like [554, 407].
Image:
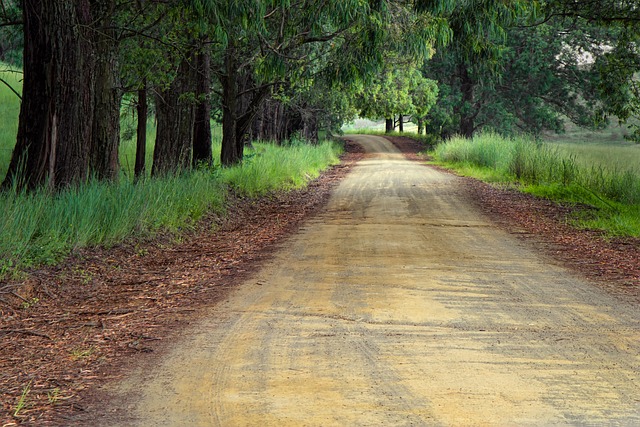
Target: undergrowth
[610, 193]
[41, 228]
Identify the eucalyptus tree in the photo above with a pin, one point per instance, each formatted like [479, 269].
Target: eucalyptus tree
[542, 76]
[70, 112]
[397, 91]
[259, 46]
[619, 66]
[56, 115]
[478, 35]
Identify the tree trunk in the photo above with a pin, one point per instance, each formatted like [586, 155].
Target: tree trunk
[230, 153]
[141, 131]
[236, 117]
[176, 116]
[202, 154]
[389, 125]
[401, 123]
[420, 126]
[106, 127]
[467, 117]
[57, 110]
[310, 127]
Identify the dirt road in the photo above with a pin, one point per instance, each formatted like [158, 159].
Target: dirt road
[400, 305]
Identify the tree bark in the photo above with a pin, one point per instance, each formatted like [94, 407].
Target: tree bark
[202, 154]
[310, 127]
[420, 126]
[57, 110]
[401, 123]
[467, 117]
[108, 95]
[141, 132]
[236, 118]
[230, 153]
[389, 125]
[176, 117]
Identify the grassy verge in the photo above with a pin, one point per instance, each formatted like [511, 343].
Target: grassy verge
[38, 228]
[610, 192]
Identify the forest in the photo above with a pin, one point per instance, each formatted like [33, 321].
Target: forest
[90, 74]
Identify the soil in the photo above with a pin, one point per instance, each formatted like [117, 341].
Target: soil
[67, 331]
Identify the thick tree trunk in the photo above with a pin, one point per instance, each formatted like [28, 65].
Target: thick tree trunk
[176, 116]
[467, 117]
[57, 111]
[141, 132]
[108, 95]
[388, 125]
[310, 127]
[401, 123]
[202, 154]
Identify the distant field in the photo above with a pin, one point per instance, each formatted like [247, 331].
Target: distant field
[9, 112]
[606, 148]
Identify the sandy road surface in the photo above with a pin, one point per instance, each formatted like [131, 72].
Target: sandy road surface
[400, 305]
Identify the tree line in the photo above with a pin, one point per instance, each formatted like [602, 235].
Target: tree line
[280, 68]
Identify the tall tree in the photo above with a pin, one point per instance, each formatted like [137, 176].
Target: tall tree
[479, 32]
[619, 66]
[108, 94]
[57, 111]
[540, 77]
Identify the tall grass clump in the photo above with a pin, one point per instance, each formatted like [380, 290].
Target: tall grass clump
[269, 167]
[39, 227]
[9, 112]
[42, 228]
[545, 170]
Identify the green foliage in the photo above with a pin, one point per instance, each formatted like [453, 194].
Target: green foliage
[396, 91]
[618, 67]
[11, 37]
[542, 169]
[540, 78]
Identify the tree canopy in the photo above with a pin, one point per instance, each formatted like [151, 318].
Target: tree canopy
[276, 68]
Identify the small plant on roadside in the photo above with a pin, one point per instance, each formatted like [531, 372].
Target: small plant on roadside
[85, 276]
[22, 401]
[80, 353]
[29, 303]
[53, 395]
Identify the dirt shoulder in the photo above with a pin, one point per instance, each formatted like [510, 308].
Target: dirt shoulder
[68, 329]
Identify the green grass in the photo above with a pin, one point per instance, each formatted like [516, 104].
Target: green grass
[609, 183]
[38, 228]
[270, 167]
